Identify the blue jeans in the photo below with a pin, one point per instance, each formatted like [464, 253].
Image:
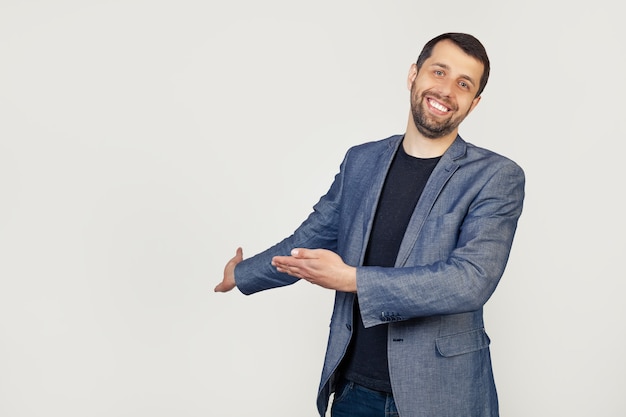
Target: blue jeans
[353, 400]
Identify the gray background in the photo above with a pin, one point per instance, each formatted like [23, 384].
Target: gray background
[142, 141]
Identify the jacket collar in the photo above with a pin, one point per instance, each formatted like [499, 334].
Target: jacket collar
[455, 151]
[449, 163]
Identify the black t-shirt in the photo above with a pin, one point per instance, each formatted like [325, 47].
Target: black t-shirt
[366, 360]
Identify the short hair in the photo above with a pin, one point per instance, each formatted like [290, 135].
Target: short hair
[469, 44]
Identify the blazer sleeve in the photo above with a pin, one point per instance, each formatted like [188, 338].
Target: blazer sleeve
[463, 280]
[319, 230]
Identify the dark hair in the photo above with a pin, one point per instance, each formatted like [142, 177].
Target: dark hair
[469, 44]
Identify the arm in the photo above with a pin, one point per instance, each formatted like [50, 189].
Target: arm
[463, 280]
[319, 230]
[479, 237]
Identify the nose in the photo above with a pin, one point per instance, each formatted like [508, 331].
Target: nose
[446, 87]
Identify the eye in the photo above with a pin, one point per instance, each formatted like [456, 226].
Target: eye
[439, 73]
[464, 85]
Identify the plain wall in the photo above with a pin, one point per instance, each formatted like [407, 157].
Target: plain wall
[141, 142]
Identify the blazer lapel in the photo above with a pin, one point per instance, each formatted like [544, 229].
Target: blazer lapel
[440, 176]
[366, 214]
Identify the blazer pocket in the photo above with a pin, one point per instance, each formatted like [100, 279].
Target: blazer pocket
[458, 344]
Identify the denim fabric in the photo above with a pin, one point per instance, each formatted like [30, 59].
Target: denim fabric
[353, 400]
[453, 254]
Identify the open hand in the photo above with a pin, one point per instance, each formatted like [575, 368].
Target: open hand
[228, 282]
[318, 266]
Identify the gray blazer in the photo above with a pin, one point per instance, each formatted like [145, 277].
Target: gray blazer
[452, 256]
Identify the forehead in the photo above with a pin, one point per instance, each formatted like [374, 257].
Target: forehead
[446, 53]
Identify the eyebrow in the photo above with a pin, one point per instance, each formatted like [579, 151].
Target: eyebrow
[447, 68]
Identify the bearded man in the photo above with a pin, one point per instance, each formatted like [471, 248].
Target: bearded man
[413, 236]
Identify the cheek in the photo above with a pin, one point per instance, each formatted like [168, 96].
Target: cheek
[467, 106]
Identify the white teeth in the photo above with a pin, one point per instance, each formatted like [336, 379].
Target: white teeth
[438, 106]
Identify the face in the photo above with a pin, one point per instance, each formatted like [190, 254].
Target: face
[443, 92]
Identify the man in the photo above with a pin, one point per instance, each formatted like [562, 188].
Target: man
[413, 235]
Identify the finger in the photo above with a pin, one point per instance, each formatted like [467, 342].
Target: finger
[233, 261]
[287, 269]
[225, 286]
[292, 270]
[238, 256]
[284, 260]
[303, 253]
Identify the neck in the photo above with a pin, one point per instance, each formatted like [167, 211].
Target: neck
[419, 146]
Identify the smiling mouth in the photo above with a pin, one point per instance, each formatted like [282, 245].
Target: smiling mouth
[438, 106]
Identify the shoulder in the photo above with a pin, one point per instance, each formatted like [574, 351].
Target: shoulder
[485, 159]
[374, 148]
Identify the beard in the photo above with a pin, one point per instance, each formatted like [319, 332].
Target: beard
[428, 126]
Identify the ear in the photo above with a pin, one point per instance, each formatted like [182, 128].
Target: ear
[412, 76]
